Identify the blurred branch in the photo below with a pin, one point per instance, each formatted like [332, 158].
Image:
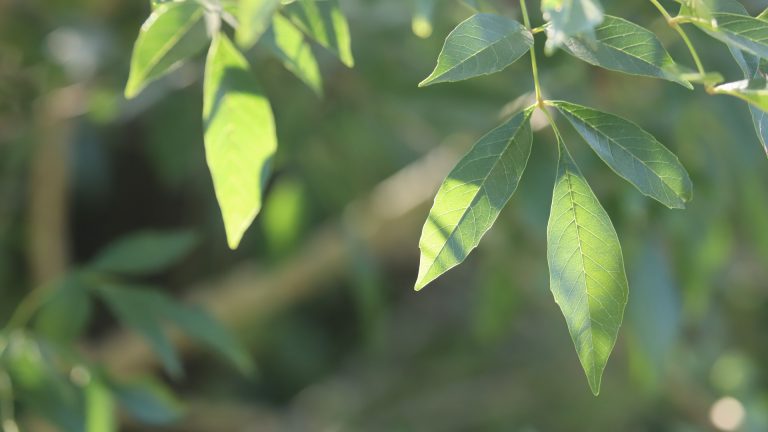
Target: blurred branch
[387, 223]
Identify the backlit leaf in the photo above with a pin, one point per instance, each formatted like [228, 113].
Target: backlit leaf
[288, 44]
[323, 21]
[570, 18]
[753, 91]
[254, 17]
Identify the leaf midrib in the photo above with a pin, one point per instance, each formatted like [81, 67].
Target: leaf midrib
[168, 46]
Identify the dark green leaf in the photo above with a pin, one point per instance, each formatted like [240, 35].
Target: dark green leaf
[288, 44]
[633, 153]
[586, 268]
[480, 45]
[173, 32]
[626, 47]
[240, 139]
[65, 314]
[470, 199]
[323, 21]
[149, 401]
[144, 252]
[100, 413]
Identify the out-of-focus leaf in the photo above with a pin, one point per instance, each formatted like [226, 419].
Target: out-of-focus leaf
[240, 138]
[421, 22]
[623, 46]
[144, 252]
[66, 312]
[732, 26]
[633, 153]
[754, 91]
[288, 44]
[570, 18]
[323, 21]
[586, 268]
[173, 32]
[253, 20]
[284, 215]
[482, 44]
[100, 413]
[470, 199]
[149, 401]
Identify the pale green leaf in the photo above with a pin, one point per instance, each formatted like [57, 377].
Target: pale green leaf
[633, 153]
[100, 410]
[144, 252]
[470, 199]
[421, 22]
[586, 268]
[623, 46]
[254, 17]
[753, 91]
[569, 18]
[482, 44]
[240, 139]
[323, 21]
[173, 32]
[288, 44]
[760, 120]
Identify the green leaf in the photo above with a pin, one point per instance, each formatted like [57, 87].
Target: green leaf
[253, 20]
[760, 120]
[323, 21]
[173, 32]
[482, 44]
[100, 412]
[288, 44]
[149, 401]
[734, 29]
[470, 199]
[423, 16]
[586, 268]
[753, 91]
[65, 314]
[144, 252]
[633, 153]
[570, 18]
[623, 46]
[240, 139]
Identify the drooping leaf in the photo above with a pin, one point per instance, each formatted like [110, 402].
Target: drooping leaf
[753, 91]
[144, 252]
[480, 45]
[633, 153]
[254, 17]
[240, 138]
[623, 46]
[470, 199]
[173, 32]
[324, 22]
[570, 18]
[586, 268]
[288, 44]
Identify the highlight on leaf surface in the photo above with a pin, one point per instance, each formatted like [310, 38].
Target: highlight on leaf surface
[586, 268]
[480, 45]
[325, 23]
[623, 46]
[287, 43]
[240, 139]
[470, 199]
[753, 91]
[632, 153]
[172, 33]
[254, 17]
[569, 18]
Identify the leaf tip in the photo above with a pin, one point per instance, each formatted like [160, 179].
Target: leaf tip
[426, 81]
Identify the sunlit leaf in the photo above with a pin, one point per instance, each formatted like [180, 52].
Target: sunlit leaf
[323, 21]
[100, 412]
[144, 252]
[570, 18]
[421, 22]
[173, 32]
[254, 18]
[288, 44]
[480, 45]
[626, 47]
[240, 139]
[633, 153]
[753, 91]
[586, 268]
[470, 199]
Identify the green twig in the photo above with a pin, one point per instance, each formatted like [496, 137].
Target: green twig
[675, 24]
[534, 66]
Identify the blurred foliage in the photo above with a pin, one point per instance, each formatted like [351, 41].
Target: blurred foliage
[484, 349]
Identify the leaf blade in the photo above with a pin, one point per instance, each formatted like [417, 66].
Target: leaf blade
[254, 17]
[287, 43]
[324, 22]
[477, 46]
[144, 252]
[632, 153]
[586, 267]
[240, 138]
[570, 18]
[472, 196]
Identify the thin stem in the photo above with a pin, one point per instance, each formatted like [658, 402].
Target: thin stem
[534, 66]
[551, 120]
[675, 24]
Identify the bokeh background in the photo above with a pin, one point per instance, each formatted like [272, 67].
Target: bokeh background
[320, 292]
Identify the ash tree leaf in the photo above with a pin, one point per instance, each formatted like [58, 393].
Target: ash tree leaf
[172, 33]
[148, 400]
[569, 18]
[728, 21]
[470, 199]
[480, 45]
[753, 91]
[144, 252]
[623, 46]
[586, 268]
[240, 138]
[254, 17]
[287, 43]
[760, 120]
[632, 153]
[325, 23]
